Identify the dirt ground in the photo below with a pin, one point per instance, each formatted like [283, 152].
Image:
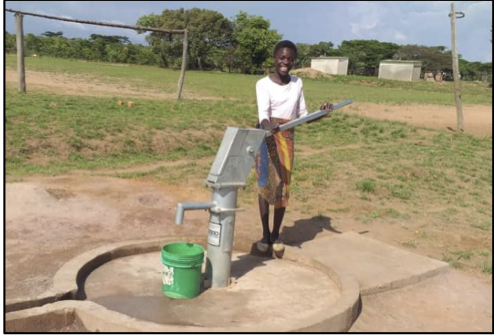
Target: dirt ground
[86, 85]
[477, 118]
[51, 219]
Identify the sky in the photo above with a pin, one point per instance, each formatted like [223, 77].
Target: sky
[402, 22]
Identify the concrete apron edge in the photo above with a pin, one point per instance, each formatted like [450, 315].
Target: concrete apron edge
[436, 267]
[404, 282]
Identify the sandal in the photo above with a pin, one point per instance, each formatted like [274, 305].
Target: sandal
[278, 245]
[263, 247]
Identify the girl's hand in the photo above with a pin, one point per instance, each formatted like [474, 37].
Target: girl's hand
[266, 125]
[327, 106]
[275, 129]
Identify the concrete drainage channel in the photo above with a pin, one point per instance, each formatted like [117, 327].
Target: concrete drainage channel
[117, 288]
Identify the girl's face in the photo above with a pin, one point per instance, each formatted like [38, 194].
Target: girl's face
[283, 61]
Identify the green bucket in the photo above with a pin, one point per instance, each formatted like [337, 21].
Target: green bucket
[182, 262]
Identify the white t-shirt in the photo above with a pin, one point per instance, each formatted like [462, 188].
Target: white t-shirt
[280, 101]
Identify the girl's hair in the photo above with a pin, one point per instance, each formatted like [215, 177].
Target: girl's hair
[285, 44]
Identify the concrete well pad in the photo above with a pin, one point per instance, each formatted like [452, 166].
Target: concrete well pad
[271, 293]
[377, 267]
[122, 284]
[450, 302]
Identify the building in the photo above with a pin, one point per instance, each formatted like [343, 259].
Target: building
[330, 65]
[408, 71]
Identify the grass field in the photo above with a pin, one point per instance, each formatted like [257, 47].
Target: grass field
[240, 87]
[430, 182]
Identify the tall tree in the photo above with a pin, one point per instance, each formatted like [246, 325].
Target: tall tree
[254, 42]
[10, 43]
[432, 58]
[52, 34]
[321, 49]
[365, 55]
[207, 30]
[306, 52]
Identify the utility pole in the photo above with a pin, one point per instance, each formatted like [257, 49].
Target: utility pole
[456, 69]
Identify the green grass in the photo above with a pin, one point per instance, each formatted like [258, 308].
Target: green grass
[453, 262]
[91, 133]
[465, 255]
[377, 90]
[484, 225]
[487, 267]
[367, 185]
[410, 244]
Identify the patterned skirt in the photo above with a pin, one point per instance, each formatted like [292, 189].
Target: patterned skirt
[274, 166]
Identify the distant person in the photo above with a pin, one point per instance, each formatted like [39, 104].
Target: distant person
[280, 99]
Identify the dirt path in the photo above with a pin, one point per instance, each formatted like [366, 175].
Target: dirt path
[478, 118]
[89, 86]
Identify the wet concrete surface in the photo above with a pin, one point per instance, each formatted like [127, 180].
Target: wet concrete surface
[266, 292]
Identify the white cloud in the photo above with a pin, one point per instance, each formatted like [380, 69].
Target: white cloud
[367, 14]
[62, 24]
[399, 36]
[425, 23]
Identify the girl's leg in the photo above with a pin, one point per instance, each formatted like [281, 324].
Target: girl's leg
[264, 211]
[278, 220]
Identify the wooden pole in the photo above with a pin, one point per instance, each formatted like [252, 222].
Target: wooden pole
[456, 71]
[20, 54]
[184, 65]
[104, 24]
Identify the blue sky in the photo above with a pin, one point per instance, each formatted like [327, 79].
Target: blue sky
[403, 22]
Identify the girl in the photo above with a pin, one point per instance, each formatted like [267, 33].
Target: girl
[280, 99]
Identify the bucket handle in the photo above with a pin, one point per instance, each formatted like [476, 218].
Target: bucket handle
[192, 264]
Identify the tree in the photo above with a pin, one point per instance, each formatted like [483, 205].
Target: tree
[10, 43]
[110, 38]
[475, 70]
[229, 57]
[433, 58]
[303, 58]
[33, 44]
[306, 52]
[365, 55]
[321, 49]
[207, 30]
[52, 34]
[254, 42]
[83, 49]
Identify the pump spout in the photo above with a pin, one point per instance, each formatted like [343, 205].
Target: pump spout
[182, 207]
